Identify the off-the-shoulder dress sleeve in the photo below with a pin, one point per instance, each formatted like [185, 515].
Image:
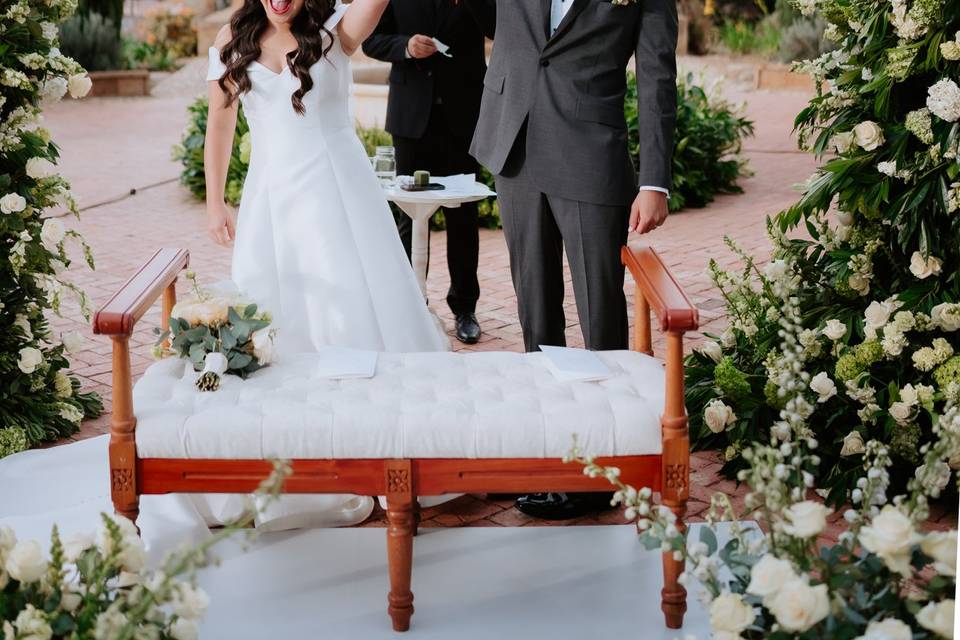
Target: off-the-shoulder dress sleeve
[338, 12]
[215, 68]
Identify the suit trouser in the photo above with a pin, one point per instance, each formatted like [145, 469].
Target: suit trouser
[537, 227]
[442, 152]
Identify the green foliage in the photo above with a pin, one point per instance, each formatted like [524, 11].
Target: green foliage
[743, 37]
[164, 37]
[39, 401]
[873, 246]
[112, 10]
[233, 338]
[190, 154]
[93, 41]
[802, 39]
[707, 142]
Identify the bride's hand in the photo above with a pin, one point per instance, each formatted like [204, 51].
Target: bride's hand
[221, 225]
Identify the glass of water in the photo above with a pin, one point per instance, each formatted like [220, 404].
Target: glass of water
[385, 166]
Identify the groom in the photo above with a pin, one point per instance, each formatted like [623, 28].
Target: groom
[553, 132]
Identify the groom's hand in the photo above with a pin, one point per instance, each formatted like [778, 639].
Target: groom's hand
[648, 212]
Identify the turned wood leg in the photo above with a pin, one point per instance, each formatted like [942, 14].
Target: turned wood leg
[401, 528]
[675, 480]
[123, 447]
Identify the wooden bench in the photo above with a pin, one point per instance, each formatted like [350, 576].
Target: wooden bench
[401, 480]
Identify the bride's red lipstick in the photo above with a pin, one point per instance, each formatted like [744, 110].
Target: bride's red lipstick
[280, 7]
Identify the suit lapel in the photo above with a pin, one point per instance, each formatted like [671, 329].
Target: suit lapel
[545, 17]
[564, 26]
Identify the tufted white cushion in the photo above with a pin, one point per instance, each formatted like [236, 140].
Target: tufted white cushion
[425, 405]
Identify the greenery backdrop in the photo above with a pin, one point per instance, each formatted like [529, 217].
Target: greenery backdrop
[869, 256]
[39, 400]
[706, 159]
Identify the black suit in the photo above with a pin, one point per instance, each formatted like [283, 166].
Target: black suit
[432, 111]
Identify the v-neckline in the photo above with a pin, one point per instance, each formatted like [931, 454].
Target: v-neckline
[268, 69]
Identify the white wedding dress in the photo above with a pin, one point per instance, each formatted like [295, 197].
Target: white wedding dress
[317, 246]
[316, 243]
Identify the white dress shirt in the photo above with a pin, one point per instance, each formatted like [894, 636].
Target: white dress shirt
[558, 10]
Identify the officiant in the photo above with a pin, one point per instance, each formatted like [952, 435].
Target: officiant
[432, 110]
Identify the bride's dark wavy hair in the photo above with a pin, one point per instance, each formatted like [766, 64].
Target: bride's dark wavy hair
[247, 26]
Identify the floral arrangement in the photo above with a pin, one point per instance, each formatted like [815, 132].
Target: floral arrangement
[882, 580]
[166, 35]
[219, 332]
[39, 401]
[873, 287]
[100, 587]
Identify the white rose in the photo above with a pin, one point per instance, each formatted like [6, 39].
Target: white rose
[834, 330]
[946, 316]
[797, 606]
[40, 168]
[941, 546]
[30, 359]
[852, 444]
[891, 537]
[75, 544]
[262, 346]
[729, 613]
[8, 539]
[32, 624]
[938, 617]
[877, 314]
[183, 630]
[902, 412]
[189, 602]
[768, 575]
[52, 234]
[73, 341]
[936, 480]
[889, 629]
[922, 267]
[805, 519]
[712, 350]
[718, 415]
[25, 562]
[842, 142]
[13, 203]
[70, 600]
[868, 135]
[79, 85]
[823, 386]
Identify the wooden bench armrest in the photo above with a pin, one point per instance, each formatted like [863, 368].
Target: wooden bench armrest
[121, 313]
[660, 289]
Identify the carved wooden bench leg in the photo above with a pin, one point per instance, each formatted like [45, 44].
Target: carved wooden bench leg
[401, 527]
[676, 476]
[123, 447]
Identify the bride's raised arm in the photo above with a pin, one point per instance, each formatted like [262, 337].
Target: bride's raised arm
[358, 23]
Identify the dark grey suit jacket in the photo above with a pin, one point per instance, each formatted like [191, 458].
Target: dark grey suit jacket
[569, 88]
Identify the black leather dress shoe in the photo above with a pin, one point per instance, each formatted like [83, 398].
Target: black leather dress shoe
[468, 329]
[563, 506]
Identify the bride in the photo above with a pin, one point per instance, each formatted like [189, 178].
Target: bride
[315, 242]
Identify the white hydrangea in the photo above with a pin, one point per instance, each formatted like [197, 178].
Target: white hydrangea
[887, 168]
[943, 100]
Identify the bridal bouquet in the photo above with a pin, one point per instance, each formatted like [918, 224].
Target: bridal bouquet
[219, 332]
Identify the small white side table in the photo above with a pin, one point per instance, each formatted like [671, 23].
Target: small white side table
[420, 207]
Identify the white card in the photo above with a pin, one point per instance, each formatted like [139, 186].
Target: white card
[575, 365]
[442, 49]
[339, 363]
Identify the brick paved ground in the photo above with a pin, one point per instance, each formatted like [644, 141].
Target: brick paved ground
[113, 147]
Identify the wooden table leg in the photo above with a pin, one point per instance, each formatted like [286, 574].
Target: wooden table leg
[401, 521]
